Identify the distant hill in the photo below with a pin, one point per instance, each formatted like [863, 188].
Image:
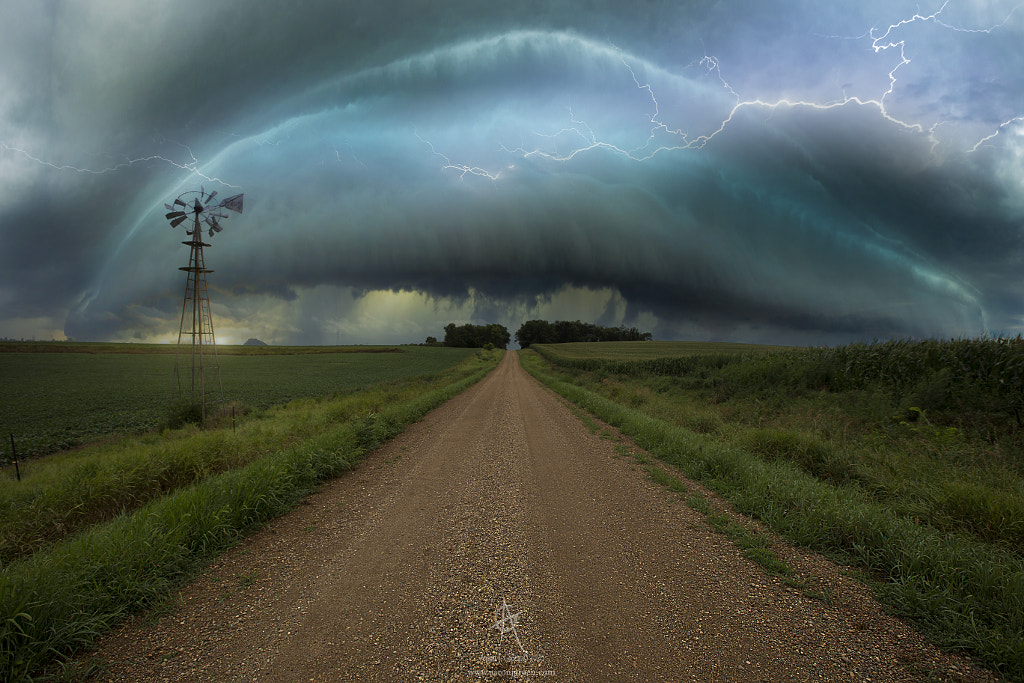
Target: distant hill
[252, 341]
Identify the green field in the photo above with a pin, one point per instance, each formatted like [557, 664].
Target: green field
[902, 459]
[641, 350]
[56, 396]
[92, 535]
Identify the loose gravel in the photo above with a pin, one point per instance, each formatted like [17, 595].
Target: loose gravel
[500, 538]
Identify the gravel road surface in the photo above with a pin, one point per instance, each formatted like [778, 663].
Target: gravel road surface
[501, 538]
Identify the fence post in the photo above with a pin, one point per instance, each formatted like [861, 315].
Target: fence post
[14, 456]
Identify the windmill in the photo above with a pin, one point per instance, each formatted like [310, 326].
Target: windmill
[196, 320]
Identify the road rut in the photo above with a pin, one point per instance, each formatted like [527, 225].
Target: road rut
[500, 537]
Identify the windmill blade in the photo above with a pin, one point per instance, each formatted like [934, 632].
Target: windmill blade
[233, 203]
[209, 197]
[178, 202]
[178, 221]
[174, 214]
[168, 207]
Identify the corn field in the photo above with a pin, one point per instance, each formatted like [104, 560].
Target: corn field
[959, 381]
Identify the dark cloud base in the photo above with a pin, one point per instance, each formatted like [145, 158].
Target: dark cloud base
[497, 163]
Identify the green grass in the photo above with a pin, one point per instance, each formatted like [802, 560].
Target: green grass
[620, 351]
[930, 507]
[647, 358]
[54, 400]
[65, 492]
[755, 546]
[60, 599]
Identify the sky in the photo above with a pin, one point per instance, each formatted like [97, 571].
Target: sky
[798, 172]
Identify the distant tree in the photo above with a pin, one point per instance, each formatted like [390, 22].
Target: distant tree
[456, 336]
[476, 336]
[565, 331]
[535, 332]
[497, 335]
[432, 341]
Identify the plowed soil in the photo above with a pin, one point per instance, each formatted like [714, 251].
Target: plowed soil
[500, 537]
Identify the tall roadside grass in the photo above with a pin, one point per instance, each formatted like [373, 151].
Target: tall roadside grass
[67, 492]
[647, 358]
[59, 599]
[931, 511]
[971, 384]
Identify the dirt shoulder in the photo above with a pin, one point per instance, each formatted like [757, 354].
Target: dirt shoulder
[499, 534]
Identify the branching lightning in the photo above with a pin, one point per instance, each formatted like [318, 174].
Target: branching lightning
[881, 40]
[1005, 124]
[878, 45]
[644, 152]
[462, 169]
[191, 166]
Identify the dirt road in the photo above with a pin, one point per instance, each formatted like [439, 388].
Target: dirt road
[500, 535]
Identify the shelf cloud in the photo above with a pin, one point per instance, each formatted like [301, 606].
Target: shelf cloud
[768, 172]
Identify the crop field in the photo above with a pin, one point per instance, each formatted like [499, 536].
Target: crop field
[641, 350]
[56, 396]
[648, 357]
[92, 535]
[903, 459]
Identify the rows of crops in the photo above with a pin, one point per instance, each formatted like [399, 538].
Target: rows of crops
[54, 401]
[638, 351]
[968, 383]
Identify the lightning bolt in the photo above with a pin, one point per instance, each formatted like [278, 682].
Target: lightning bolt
[461, 169]
[878, 45]
[881, 40]
[999, 130]
[337, 155]
[191, 166]
[645, 151]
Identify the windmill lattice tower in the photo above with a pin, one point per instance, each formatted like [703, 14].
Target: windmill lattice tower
[196, 328]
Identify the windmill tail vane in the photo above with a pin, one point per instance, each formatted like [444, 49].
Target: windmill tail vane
[196, 318]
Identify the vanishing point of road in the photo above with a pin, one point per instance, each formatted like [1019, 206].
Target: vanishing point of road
[500, 538]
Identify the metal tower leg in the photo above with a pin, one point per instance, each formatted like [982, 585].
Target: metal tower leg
[197, 327]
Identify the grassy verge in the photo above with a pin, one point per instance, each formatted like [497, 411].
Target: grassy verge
[842, 487]
[755, 546]
[59, 600]
[66, 492]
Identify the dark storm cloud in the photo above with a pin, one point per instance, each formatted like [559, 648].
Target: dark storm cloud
[493, 157]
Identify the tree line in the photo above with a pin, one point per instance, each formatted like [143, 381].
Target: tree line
[473, 336]
[565, 331]
[534, 332]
